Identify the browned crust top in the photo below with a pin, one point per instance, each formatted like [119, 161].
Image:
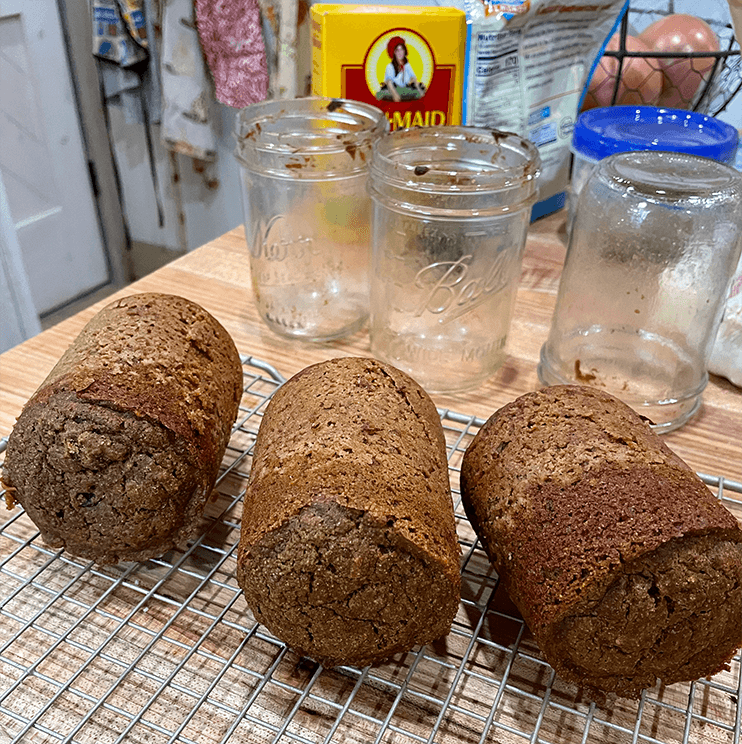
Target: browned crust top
[364, 435]
[158, 356]
[566, 485]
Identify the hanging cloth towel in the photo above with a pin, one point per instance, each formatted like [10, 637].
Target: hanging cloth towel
[232, 41]
[124, 58]
[125, 43]
[187, 91]
[112, 38]
[122, 30]
[281, 29]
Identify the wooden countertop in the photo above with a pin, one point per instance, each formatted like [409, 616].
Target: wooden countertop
[217, 276]
[138, 651]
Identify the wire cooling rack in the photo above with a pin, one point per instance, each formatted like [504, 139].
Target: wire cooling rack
[166, 651]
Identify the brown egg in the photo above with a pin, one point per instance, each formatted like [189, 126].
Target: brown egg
[641, 82]
[681, 33]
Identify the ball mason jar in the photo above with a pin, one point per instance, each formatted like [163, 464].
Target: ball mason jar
[304, 166]
[451, 210]
[653, 249]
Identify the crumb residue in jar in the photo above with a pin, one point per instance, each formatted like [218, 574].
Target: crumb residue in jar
[421, 170]
[584, 377]
[305, 162]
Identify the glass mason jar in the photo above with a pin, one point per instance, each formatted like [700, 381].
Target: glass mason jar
[304, 166]
[602, 132]
[653, 248]
[451, 211]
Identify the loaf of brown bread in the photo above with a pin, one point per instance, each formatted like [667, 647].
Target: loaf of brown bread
[623, 564]
[348, 549]
[115, 455]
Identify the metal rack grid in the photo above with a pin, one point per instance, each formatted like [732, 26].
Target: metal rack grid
[167, 651]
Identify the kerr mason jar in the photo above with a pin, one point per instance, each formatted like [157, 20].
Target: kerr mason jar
[451, 210]
[304, 167]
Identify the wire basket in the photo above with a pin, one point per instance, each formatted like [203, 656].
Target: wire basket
[706, 86]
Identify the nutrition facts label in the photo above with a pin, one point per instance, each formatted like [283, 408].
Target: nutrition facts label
[526, 65]
[498, 70]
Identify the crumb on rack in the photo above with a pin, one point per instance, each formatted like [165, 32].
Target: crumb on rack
[10, 501]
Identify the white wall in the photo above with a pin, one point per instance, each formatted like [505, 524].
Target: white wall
[17, 309]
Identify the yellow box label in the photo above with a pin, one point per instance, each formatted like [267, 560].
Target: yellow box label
[407, 61]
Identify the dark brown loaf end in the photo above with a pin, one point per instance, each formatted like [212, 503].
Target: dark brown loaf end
[116, 453]
[623, 564]
[348, 549]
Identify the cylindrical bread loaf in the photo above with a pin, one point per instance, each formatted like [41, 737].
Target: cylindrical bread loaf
[115, 455]
[348, 550]
[625, 567]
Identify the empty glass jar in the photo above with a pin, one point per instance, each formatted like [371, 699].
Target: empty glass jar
[451, 210]
[304, 166]
[654, 245]
[601, 132]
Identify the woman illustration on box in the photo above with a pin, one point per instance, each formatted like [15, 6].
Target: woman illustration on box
[400, 83]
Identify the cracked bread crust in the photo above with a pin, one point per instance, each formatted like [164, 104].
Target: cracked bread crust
[116, 453]
[332, 573]
[348, 549]
[582, 509]
[674, 614]
[105, 480]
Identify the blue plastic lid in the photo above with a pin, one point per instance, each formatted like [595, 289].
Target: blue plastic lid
[601, 132]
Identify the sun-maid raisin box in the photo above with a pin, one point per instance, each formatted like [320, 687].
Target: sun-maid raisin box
[408, 61]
